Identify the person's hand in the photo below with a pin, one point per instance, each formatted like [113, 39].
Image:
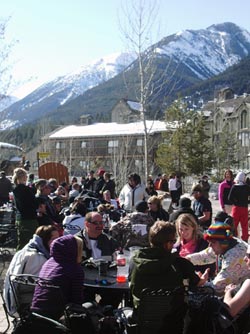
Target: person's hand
[230, 287]
[203, 277]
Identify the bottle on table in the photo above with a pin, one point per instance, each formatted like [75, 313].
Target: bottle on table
[122, 268]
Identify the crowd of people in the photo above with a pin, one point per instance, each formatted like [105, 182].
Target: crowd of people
[60, 226]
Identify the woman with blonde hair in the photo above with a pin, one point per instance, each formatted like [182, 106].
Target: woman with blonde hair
[190, 239]
[26, 206]
[156, 210]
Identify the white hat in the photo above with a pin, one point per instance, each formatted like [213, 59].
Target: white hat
[240, 177]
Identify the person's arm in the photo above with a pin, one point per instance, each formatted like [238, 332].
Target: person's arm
[240, 300]
[206, 216]
[206, 256]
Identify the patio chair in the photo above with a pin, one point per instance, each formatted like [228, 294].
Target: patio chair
[22, 287]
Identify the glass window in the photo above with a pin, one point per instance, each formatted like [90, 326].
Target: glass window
[139, 142]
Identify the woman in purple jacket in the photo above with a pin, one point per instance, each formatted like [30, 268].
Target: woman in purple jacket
[63, 269]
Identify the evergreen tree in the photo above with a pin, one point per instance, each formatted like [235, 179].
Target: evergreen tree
[186, 149]
[199, 151]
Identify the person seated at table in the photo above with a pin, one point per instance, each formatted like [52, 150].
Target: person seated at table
[97, 244]
[227, 251]
[156, 210]
[64, 270]
[75, 219]
[190, 239]
[29, 260]
[108, 200]
[132, 230]
[157, 267]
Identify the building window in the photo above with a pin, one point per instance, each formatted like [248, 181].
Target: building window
[83, 144]
[84, 164]
[60, 145]
[243, 119]
[139, 142]
[113, 146]
[244, 138]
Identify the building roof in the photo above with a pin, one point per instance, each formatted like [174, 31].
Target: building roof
[10, 146]
[110, 129]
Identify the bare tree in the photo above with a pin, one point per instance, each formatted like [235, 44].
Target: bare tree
[6, 78]
[139, 21]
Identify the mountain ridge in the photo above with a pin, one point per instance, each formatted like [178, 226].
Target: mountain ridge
[197, 55]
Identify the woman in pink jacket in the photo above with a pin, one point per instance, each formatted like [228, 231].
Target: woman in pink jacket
[224, 189]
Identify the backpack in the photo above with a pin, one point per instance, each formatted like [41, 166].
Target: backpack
[208, 314]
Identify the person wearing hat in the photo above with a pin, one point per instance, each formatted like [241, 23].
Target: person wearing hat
[184, 207]
[230, 252]
[202, 207]
[238, 195]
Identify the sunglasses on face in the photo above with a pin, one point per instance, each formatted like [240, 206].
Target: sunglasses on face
[96, 223]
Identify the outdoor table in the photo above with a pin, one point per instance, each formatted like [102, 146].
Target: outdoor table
[93, 280]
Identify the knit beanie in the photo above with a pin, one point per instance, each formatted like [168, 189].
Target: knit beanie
[219, 231]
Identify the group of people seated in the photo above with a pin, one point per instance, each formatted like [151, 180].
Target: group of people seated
[174, 248]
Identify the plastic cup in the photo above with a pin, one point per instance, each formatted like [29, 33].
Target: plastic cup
[103, 268]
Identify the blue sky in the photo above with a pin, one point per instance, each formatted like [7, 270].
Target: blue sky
[58, 36]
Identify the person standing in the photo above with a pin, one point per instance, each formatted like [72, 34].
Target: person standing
[202, 207]
[205, 186]
[26, 206]
[224, 189]
[239, 196]
[100, 182]
[132, 193]
[5, 188]
[173, 189]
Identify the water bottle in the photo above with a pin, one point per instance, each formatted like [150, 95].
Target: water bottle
[122, 269]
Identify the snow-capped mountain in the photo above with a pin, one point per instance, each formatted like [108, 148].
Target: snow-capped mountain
[207, 52]
[63, 89]
[199, 54]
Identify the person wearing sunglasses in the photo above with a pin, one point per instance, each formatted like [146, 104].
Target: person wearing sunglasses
[96, 243]
[241, 299]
